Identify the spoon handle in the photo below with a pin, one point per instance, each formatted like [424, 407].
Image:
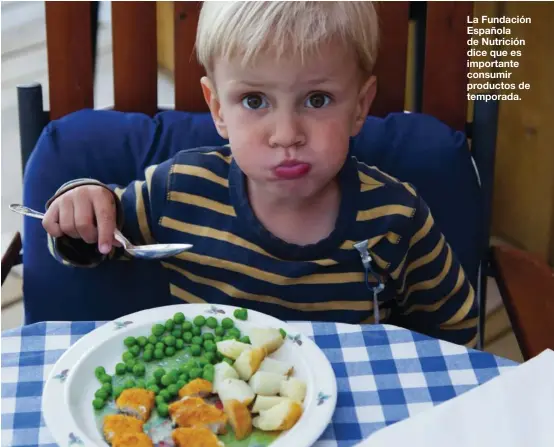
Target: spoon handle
[20, 209]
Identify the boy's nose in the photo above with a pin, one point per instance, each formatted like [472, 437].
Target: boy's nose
[287, 132]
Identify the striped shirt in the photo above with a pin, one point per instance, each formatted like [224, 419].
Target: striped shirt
[199, 197]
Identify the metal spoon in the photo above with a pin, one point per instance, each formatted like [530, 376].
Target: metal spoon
[153, 251]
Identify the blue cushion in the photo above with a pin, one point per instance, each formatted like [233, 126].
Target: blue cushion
[115, 147]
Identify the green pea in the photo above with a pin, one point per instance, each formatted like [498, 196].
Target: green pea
[283, 333]
[107, 386]
[141, 383]
[101, 394]
[208, 336]
[159, 354]
[117, 391]
[187, 337]
[141, 341]
[129, 384]
[195, 373]
[228, 337]
[159, 373]
[148, 356]
[196, 340]
[202, 361]
[159, 400]
[169, 340]
[181, 383]
[219, 331]
[167, 380]
[227, 323]
[170, 351]
[211, 322]
[188, 351]
[174, 373]
[228, 360]
[210, 346]
[135, 350]
[149, 347]
[177, 333]
[139, 370]
[106, 378]
[159, 345]
[154, 388]
[240, 314]
[179, 344]
[208, 375]
[179, 317]
[187, 326]
[218, 338]
[184, 377]
[196, 350]
[158, 330]
[209, 367]
[98, 404]
[199, 321]
[152, 339]
[210, 356]
[169, 324]
[173, 389]
[245, 339]
[99, 372]
[163, 410]
[234, 332]
[196, 331]
[165, 394]
[130, 341]
[120, 369]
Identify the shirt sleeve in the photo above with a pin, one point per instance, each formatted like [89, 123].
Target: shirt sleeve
[435, 296]
[139, 207]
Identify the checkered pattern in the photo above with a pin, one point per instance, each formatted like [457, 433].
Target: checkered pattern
[384, 374]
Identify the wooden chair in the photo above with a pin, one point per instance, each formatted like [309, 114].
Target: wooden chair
[439, 89]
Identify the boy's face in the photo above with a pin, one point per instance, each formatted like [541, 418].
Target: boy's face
[289, 123]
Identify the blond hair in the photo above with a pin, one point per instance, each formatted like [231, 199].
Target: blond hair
[298, 28]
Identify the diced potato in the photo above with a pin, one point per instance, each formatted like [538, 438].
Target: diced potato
[293, 388]
[263, 403]
[248, 362]
[266, 383]
[267, 338]
[232, 348]
[223, 371]
[282, 416]
[239, 418]
[276, 366]
[230, 389]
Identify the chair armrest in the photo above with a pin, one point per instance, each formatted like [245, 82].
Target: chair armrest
[11, 257]
[526, 284]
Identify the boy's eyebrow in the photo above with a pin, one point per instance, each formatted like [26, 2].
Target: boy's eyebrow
[315, 81]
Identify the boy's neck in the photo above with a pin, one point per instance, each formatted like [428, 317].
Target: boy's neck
[297, 221]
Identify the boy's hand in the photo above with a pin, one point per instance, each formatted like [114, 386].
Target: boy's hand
[86, 212]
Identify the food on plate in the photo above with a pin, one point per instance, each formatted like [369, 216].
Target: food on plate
[239, 418]
[235, 389]
[195, 437]
[223, 371]
[276, 366]
[232, 348]
[240, 314]
[248, 362]
[266, 402]
[136, 402]
[119, 424]
[196, 388]
[195, 412]
[293, 388]
[282, 416]
[266, 383]
[132, 440]
[268, 338]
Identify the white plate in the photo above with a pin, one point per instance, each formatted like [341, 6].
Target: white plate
[69, 390]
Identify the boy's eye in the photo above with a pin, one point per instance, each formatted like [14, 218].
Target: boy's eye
[317, 100]
[254, 102]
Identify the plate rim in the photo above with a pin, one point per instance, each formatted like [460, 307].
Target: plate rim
[78, 350]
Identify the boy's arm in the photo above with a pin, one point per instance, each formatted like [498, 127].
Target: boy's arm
[138, 208]
[435, 296]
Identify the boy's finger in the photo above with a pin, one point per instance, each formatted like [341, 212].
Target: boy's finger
[84, 220]
[67, 219]
[50, 222]
[104, 210]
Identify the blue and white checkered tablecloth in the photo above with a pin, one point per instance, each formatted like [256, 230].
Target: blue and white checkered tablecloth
[384, 374]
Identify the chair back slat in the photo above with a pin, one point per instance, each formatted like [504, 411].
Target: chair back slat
[135, 61]
[69, 48]
[188, 72]
[445, 72]
[391, 63]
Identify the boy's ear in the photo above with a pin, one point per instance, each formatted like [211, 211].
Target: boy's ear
[210, 96]
[365, 99]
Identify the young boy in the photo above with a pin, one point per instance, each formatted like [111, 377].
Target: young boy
[283, 220]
